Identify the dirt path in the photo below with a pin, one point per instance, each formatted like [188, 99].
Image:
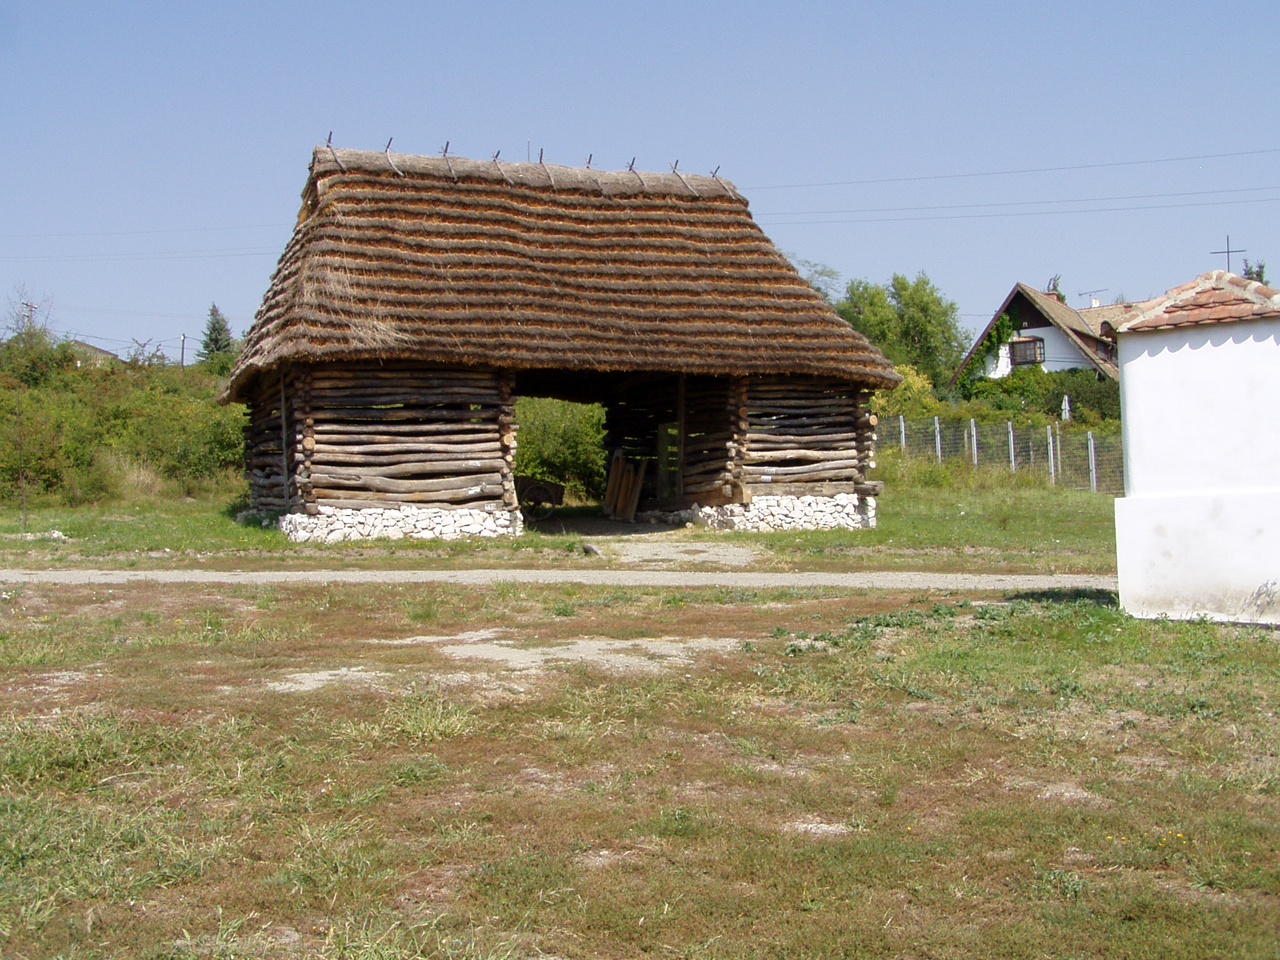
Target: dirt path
[879, 580]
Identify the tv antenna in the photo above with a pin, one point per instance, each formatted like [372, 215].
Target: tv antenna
[1092, 293]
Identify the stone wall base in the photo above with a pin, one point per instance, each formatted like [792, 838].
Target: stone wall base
[765, 514]
[333, 524]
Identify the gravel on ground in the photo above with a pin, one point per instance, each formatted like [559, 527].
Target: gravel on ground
[875, 580]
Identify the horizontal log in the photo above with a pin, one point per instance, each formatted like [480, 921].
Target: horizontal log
[334, 432]
[793, 424]
[773, 456]
[758, 469]
[770, 476]
[406, 394]
[756, 395]
[449, 468]
[714, 457]
[462, 449]
[390, 503]
[759, 435]
[389, 485]
[334, 497]
[819, 488]
[713, 487]
[695, 435]
[788, 408]
[424, 414]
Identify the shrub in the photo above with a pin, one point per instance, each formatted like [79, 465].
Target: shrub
[913, 397]
[91, 433]
[562, 442]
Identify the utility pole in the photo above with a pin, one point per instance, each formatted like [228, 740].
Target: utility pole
[182, 353]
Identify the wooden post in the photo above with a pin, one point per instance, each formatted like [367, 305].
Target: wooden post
[973, 438]
[902, 428]
[937, 438]
[1013, 463]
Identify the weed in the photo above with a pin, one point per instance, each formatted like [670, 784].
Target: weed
[1060, 884]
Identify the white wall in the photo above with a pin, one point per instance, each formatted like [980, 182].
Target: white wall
[1198, 530]
[998, 364]
[1059, 354]
[1200, 408]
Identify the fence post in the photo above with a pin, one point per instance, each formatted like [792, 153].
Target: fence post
[937, 438]
[1048, 433]
[1031, 447]
[1062, 467]
[902, 428]
[1013, 465]
[1093, 466]
[973, 436]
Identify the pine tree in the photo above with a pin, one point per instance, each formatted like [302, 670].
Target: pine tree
[217, 343]
[1256, 271]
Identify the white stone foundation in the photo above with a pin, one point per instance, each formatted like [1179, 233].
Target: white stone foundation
[765, 514]
[405, 522]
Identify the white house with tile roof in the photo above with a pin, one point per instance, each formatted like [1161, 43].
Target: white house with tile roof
[1198, 529]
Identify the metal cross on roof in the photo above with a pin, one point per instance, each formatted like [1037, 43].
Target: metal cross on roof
[1228, 252]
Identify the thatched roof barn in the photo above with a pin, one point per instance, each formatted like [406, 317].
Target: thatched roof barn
[450, 284]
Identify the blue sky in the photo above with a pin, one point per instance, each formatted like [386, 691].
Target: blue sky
[154, 152]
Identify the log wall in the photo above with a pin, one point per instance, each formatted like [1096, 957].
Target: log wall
[267, 467]
[712, 455]
[349, 436]
[747, 435]
[806, 435]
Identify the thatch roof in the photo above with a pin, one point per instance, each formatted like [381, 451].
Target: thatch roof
[531, 266]
[1214, 297]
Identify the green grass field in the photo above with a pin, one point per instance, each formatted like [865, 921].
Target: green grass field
[931, 518]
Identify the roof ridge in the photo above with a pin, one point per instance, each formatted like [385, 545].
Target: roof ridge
[1253, 300]
[327, 159]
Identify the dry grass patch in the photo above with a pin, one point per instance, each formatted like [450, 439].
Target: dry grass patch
[797, 773]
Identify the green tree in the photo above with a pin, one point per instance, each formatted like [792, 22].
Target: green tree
[910, 321]
[562, 442]
[1256, 271]
[823, 278]
[217, 348]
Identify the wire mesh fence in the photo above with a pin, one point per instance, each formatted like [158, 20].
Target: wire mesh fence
[1079, 459]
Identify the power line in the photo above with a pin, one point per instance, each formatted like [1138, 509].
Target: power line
[140, 233]
[1018, 203]
[1031, 213]
[143, 257]
[1009, 173]
[66, 307]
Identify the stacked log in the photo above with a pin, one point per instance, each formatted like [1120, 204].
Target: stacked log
[265, 464]
[806, 432]
[381, 436]
[712, 438]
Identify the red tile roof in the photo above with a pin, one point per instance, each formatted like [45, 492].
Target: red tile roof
[1216, 297]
